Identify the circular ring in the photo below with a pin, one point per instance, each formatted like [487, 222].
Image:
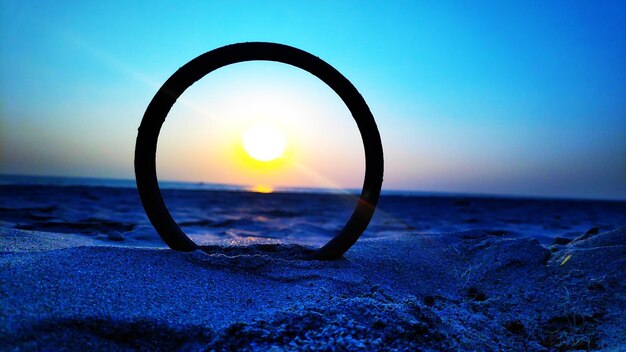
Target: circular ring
[145, 148]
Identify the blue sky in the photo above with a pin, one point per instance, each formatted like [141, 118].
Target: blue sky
[523, 98]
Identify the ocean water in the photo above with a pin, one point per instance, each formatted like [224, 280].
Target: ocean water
[110, 210]
[199, 186]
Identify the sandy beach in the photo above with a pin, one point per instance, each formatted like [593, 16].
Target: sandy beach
[93, 283]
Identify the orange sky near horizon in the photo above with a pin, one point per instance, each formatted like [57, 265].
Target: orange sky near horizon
[202, 138]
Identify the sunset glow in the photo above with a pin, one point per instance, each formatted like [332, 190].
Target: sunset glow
[264, 142]
[261, 189]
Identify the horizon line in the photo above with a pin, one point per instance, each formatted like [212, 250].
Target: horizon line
[303, 189]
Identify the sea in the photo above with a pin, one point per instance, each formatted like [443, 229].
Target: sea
[109, 210]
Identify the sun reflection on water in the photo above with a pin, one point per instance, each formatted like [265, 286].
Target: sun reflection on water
[261, 189]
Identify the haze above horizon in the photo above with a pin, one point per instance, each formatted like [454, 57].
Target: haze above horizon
[517, 99]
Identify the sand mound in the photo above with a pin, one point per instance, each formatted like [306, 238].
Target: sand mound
[477, 290]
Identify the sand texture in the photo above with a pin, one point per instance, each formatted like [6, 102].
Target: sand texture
[473, 290]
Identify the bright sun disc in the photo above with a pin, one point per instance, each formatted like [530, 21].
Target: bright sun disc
[264, 142]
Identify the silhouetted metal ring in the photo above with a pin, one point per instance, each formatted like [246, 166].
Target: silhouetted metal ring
[145, 149]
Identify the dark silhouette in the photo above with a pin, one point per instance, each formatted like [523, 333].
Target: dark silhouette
[145, 149]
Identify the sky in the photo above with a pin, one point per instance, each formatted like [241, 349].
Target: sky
[515, 98]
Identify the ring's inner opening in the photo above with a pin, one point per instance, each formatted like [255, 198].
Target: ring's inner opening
[260, 152]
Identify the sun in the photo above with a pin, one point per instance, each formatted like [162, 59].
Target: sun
[264, 142]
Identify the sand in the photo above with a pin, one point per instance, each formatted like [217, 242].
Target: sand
[472, 290]
[82, 269]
